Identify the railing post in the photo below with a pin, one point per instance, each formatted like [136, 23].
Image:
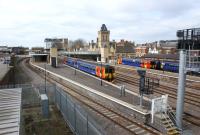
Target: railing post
[87, 125]
[74, 118]
[67, 105]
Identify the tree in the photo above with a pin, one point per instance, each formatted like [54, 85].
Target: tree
[78, 44]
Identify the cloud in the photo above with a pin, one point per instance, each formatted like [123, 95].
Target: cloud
[28, 22]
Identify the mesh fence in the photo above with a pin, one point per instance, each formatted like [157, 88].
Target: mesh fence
[74, 115]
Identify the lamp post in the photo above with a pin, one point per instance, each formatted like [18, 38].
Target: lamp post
[13, 72]
[45, 78]
[75, 66]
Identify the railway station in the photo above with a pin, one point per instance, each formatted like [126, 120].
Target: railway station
[94, 96]
[151, 103]
[62, 73]
[124, 98]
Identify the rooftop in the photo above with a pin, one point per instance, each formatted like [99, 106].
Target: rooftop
[162, 56]
[126, 48]
[10, 106]
[103, 27]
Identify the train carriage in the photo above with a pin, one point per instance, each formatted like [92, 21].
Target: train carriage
[87, 67]
[71, 62]
[170, 66]
[103, 71]
[131, 62]
[152, 64]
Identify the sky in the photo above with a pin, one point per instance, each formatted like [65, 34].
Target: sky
[29, 22]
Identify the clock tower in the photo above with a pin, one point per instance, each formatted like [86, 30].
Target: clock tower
[103, 42]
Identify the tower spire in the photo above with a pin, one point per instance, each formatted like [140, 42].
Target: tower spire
[103, 27]
[103, 42]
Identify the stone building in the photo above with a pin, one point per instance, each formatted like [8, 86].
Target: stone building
[93, 46]
[110, 50]
[103, 43]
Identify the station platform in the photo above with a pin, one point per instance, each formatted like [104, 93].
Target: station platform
[95, 83]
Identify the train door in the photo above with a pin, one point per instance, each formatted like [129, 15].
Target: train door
[98, 70]
[103, 75]
[53, 62]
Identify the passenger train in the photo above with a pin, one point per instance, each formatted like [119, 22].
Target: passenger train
[103, 71]
[150, 64]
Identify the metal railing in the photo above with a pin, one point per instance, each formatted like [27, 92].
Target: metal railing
[193, 60]
[172, 116]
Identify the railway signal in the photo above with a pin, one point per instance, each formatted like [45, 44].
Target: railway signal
[146, 84]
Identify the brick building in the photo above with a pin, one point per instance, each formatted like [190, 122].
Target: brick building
[141, 50]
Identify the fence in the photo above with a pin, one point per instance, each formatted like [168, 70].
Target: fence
[75, 116]
[193, 60]
[77, 119]
[31, 93]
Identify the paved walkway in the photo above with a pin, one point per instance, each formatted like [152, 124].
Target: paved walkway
[94, 83]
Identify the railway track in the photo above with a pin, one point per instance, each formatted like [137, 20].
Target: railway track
[133, 127]
[173, 80]
[189, 84]
[190, 98]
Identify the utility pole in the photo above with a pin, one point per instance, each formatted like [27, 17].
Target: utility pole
[181, 88]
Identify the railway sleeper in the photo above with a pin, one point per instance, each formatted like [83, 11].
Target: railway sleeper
[113, 117]
[130, 126]
[140, 132]
[107, 112]
[135, 129]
